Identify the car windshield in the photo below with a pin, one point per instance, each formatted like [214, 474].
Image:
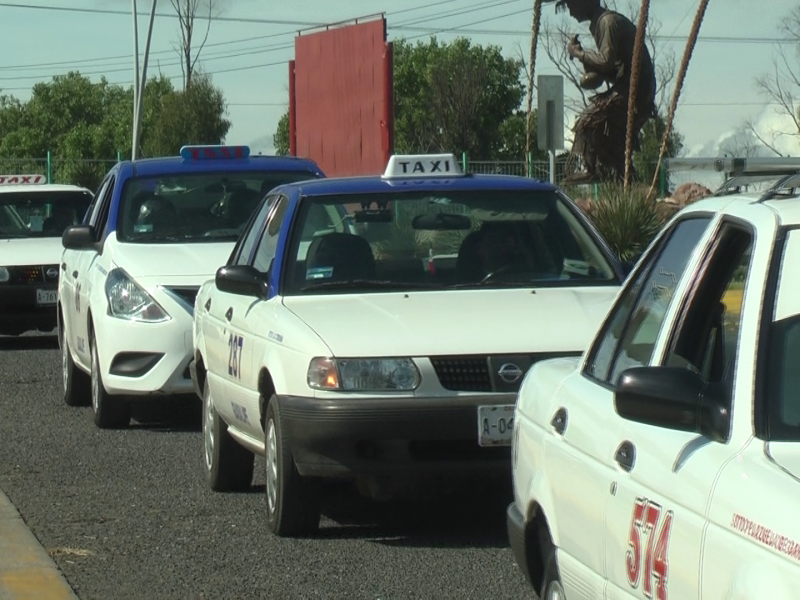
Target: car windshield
[41, 213]
[460, 239]
[195, 207]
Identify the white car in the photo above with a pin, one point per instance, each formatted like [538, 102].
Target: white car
[338, 345]
[33, 215]
[156, 230]
[665, 462]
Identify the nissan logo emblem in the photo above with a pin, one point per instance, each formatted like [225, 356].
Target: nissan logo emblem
[510, 373]
[52, 273]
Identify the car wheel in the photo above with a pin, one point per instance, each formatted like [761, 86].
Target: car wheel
[110, 412]
[293, 503]
[75, 383]
[551, 584]
[229, 466]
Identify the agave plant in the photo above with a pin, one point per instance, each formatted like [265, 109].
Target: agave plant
[627, 220]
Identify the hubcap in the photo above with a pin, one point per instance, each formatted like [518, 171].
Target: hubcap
[208, 429]
[64, 362]
[95, 379]
[555, 591]
[272, 466]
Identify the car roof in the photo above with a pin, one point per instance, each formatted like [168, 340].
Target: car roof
[43, 187]
[146, 167]
[377, 184]
[786, 209]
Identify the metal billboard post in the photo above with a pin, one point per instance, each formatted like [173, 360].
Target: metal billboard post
[137, 130]
[135, 73]
[550, 122]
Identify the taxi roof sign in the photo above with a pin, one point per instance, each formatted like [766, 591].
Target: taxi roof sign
[420, 166]
[22, 179]
[215, 152]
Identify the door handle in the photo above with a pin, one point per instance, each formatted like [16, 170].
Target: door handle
[559, 421]
[229, 313]
[75, 274]
[626, 456]
[208, 305]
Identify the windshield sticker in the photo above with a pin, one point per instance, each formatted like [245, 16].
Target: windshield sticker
[319, 273]
[143, 228]
[579, 267]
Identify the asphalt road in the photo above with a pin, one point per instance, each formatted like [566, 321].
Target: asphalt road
[127, 514]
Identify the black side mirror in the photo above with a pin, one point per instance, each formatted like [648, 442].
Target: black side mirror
[78, 237]
[674, 398]
[242, 280]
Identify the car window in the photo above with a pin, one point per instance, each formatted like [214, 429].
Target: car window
[104, 207]
[94, 208]
[411, 239]
[268, 244]
[41, 213]
[706, 337]
[629, 334]
[241, 255]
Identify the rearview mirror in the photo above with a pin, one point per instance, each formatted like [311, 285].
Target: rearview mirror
[673, 398]
[78, 237]
[242, 280]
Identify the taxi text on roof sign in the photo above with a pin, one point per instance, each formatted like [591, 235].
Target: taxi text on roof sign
[422, 165]
[214, 152]
[22, 179]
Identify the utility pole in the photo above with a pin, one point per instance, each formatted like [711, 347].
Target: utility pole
[135, 73]
[139, 100]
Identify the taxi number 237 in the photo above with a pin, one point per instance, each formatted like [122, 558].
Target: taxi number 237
[235, 343]
[648, 543]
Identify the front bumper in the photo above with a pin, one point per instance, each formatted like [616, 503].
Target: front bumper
[341, 438]
[29, 306]
[515, 523]
[142, 359]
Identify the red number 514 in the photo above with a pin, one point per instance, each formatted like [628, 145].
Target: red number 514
[645, 521]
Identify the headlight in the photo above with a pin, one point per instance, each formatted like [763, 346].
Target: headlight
[363, 374]
[127, 300]
[4, 275]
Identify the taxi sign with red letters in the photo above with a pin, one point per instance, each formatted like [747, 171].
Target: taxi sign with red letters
[216, 152]
[22, 179]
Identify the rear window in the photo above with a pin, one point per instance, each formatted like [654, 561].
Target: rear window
[196, 207]
[41, 213]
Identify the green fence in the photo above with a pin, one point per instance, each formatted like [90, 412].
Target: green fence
[85, 172]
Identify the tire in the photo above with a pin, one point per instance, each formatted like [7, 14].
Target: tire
[229, 466]
[76, 385]
[110, 412]
[551, 582]
[293, 502]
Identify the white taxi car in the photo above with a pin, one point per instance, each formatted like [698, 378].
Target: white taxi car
[665, 462]
[156, 230]
[33, 215]
[372, 328]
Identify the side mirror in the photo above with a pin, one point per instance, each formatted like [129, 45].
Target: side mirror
[242, 280]
[78, 237]
[673, 398]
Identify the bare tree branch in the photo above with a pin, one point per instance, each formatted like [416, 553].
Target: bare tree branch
[187, 12]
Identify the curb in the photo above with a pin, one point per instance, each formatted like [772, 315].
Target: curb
[26, 569]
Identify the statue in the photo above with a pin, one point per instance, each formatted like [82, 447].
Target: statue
[601, 128]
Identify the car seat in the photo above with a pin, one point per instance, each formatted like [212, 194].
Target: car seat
[240, 206]
[341, 257]
[160, 215]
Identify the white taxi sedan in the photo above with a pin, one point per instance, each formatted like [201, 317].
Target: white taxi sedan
[376, 328]
[156, 230]
[665, 462]
[33, 215]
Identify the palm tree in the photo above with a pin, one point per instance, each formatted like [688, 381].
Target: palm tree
[638, 46]
[687, 56]
[537, 16]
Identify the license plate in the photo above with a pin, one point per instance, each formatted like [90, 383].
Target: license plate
[46, 296]
[495, 424]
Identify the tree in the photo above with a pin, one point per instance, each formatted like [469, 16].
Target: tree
[645, 160]
[187, 11]
[281, 139]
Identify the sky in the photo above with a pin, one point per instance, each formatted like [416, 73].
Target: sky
[251, 42]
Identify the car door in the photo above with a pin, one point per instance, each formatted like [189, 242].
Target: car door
[76, 269]
[659, 497]
[584, 425]
[224, 338]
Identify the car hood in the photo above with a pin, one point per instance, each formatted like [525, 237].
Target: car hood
[30, 251]
[188, 263]
[455, 322]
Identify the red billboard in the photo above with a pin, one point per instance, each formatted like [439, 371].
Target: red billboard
[341, 98]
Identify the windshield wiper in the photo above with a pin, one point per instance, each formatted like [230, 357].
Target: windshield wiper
[496, 283]
[367, 284]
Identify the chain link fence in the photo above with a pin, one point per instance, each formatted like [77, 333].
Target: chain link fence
[84, 172]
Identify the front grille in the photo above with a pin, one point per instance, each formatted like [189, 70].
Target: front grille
[33, 274]
[463, 373]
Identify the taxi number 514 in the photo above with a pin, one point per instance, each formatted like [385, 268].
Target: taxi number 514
[235, 343]
[650, 527]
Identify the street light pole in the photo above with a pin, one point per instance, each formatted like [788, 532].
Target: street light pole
[137, 130]
[135, 76]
